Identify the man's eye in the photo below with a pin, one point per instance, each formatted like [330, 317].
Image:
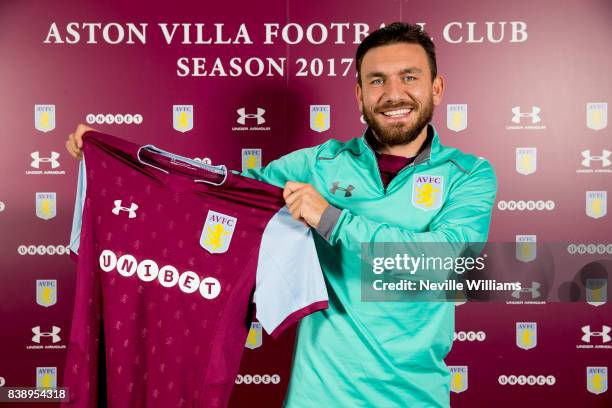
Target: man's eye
[409, 78]
[377, 81]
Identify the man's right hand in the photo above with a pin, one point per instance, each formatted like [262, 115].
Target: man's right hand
[74, 144]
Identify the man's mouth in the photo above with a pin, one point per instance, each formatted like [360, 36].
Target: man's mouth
[397, 113]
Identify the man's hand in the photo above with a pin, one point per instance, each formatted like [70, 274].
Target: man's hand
[74, 144]
[304, 202]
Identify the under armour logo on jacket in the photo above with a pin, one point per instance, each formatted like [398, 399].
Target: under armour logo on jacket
[347, 190]
[37, 159]
[53, 334]
[132, 209]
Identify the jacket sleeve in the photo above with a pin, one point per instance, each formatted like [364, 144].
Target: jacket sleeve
[464, 217]
[294, 166]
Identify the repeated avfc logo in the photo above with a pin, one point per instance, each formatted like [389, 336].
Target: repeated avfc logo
[526, 160]
[596, 291]
[320, 117]
[250, 120]
[596, 204]
[526, 118]
[525, 248]
[46, 377]
[44, 164]
[597, 115]
[182, 117]
[113, 119]
[44, 118]
[456, 117]
[459, 378]
[251, 159]
[597, 379]
[46, 205]
[46, 292]
[526, 335]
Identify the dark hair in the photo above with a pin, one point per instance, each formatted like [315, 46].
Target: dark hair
[398, 33]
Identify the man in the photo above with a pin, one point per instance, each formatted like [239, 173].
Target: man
[371, 189]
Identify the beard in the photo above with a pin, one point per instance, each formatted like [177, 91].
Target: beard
[399, 133]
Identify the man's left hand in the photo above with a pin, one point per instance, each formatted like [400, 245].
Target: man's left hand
[304, 202]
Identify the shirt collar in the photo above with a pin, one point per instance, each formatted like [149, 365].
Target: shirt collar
[428, 151]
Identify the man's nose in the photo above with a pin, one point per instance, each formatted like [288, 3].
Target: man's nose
[394, 90]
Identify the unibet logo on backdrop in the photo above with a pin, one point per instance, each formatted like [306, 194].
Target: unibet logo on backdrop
[44, 117]
[182, 117]
[251, 159]
[459, 378]
[456, 117]
[597, 115]
[320, 117]
[526, 335]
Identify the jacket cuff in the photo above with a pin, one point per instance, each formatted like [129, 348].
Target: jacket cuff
[328, 221]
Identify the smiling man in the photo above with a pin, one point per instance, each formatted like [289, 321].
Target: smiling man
[395, 183]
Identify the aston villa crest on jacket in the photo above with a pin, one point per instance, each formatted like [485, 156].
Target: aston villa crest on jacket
[44, 117]
[182, 117]
[427, 191]
[217, 232]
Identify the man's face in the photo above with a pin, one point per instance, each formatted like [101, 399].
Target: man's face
[397, 95]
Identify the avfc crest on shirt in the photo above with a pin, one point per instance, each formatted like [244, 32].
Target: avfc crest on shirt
[46, 292]
[45, 205]
[526, 160]
[526, 249]
[182, 117]
[456, 117]
[44, 117]
[427, 191]
[319, 117]
[526, 335]
[596, 203]
[217, 232]
[46, 377]
[459, 378]
[597, 379]
[254, 339]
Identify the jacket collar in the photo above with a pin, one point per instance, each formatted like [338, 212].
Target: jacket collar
[429, 151]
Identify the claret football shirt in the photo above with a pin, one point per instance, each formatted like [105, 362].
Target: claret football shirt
[173, 257]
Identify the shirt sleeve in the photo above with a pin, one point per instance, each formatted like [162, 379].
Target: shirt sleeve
[77, 219]
[289, 283]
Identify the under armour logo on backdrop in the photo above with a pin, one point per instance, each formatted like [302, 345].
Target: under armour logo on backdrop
[131, 210]
[53, 334]
[604, 158]
[347, 191]
[243, 116]
[535, 293]
[37, 159]
[534, 114]
[604, 333]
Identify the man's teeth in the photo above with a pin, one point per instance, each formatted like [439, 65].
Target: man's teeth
[398, 112]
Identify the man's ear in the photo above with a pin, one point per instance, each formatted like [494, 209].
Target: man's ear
[358, 96]
[438, 89]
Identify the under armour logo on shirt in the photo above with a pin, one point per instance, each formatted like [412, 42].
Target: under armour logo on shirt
[53, 334]
[131, 209]
[347, 190]
[37, 159]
